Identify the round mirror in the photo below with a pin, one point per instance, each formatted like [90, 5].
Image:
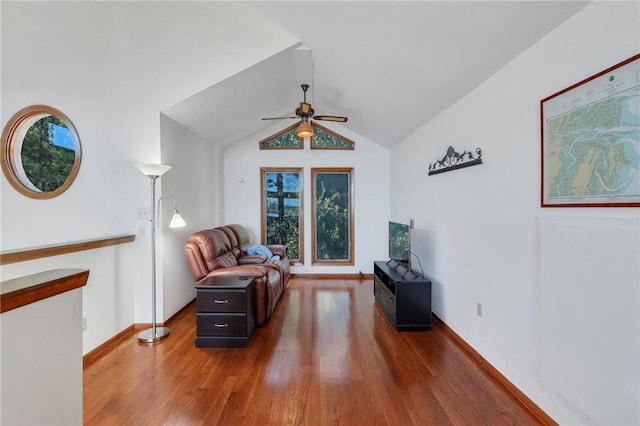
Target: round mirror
[40, 152]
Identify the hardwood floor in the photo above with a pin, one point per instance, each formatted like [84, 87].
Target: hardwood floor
[328, 356]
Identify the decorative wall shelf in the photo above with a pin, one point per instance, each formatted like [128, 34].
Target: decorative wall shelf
[453, 161]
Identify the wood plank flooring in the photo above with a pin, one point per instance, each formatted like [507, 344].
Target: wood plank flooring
[328, 356]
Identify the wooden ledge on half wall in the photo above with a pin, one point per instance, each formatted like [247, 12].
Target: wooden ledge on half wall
[22, 255]
[18, 292]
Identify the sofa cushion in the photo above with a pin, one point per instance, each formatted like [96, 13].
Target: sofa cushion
[252, 260]
[202, 250]
[213, 243]
[225, 261]
[233, 240]
[241, 234]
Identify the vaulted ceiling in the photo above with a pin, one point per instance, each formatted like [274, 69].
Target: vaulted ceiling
[389, 66]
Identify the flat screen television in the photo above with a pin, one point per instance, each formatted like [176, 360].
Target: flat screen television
[400, 243]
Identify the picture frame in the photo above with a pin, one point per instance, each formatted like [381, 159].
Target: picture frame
[590, 141]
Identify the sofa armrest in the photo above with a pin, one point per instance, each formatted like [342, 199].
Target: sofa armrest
[239, 271]
[255, 259]
[195, 262]
[277, 249]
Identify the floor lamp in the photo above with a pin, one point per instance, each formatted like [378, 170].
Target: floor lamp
[154, 171]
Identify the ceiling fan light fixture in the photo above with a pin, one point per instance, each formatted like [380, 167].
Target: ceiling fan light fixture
[305, 130]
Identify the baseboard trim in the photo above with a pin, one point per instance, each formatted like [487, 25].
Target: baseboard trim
[333, 276]
[107, 346]
[145, 325]
[509, 387]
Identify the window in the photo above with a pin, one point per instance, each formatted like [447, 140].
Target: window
[282, 209]
[40, 152]
[332, 237]
[285, 139]
[324, 138]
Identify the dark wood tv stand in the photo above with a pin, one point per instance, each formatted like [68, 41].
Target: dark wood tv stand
[404, 296]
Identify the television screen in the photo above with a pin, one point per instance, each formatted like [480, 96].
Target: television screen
[399, 242]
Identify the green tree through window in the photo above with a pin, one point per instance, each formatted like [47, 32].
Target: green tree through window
[332, 219]
[282, 209]
[47, 153]
[41, 152]
[324, 138]
[285, 139]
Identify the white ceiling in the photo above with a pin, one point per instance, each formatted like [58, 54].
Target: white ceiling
[389, 66]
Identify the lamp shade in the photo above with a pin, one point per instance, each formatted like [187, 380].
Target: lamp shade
[305, 130]
[177, 221]
[152, 169]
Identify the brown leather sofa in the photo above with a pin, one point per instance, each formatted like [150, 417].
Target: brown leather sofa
[222, 250]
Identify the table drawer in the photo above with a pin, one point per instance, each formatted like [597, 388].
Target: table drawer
[377, 288]
[221, 301]
[222, 324]
[390, 305]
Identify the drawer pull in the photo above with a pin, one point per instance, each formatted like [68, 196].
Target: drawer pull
[221, 325]
[221, 301]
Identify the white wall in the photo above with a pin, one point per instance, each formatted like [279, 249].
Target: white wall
[477, 228]
[107, 299]
[371, 183]
[195, 180]
[111, 67]
[42, 363]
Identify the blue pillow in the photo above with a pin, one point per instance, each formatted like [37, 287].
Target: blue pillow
[264, 251]
[259, 249]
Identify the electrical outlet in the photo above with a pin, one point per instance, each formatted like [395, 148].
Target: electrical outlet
[84, 324]
[479, 309]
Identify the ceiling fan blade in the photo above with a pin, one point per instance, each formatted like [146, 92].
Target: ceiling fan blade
[330, 118]
[278, 118]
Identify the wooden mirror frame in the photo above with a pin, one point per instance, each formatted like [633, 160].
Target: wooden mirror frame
[12, 138]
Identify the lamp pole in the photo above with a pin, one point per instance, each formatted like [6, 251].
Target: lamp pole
[155, 333]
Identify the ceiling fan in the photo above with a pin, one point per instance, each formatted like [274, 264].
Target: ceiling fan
[305, 112]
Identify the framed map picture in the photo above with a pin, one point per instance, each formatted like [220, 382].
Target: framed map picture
[591, 141]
